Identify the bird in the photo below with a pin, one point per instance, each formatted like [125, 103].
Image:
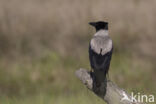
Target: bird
[100, 51]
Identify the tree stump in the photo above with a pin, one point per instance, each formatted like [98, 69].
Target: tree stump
[107, 90]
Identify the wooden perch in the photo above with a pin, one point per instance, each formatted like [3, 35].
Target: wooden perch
[108, 91]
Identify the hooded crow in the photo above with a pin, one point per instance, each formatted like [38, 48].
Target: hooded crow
[100, 51]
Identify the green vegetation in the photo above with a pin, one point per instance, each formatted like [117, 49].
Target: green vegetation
[51, 80]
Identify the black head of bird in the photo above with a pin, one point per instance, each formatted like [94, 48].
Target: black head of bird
[100, 25]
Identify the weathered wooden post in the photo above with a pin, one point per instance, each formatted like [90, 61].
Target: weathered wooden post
[108, 91]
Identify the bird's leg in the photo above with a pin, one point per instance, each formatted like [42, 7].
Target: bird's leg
[92, 70]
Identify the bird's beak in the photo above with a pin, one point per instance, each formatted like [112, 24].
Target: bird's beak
[92, 23]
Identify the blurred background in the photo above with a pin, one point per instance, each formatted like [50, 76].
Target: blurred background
[43, 43]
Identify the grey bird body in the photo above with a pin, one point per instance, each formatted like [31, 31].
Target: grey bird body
[100, 52]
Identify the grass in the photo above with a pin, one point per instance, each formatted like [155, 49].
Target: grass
[52, 80]
[26, 29]
[51, 99]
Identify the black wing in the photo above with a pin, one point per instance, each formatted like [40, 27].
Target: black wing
[100, 62]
